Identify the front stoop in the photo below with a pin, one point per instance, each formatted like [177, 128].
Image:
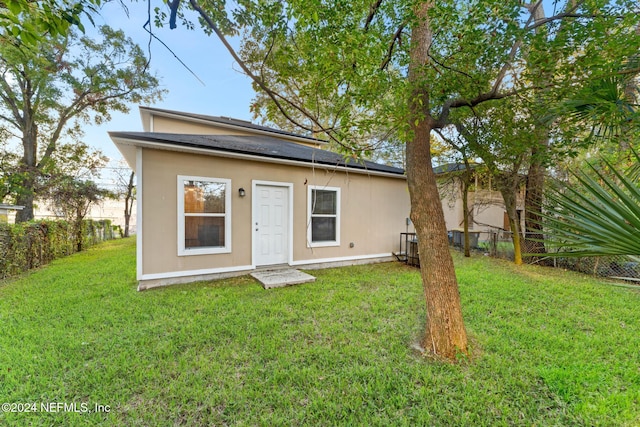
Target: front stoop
[281, 278]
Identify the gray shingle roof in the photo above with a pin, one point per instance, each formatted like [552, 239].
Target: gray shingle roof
[232, 121]
[451, 167]
[262, 146]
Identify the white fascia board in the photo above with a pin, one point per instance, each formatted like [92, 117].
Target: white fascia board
[139, 216]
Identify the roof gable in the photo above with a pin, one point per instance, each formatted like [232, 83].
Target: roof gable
[226, 122]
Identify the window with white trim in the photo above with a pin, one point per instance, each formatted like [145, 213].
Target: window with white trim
[323, 222]
[204, 215]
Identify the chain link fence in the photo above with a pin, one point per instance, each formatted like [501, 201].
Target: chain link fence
[499, 244]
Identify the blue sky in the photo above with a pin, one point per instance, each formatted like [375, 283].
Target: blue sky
[225, 92]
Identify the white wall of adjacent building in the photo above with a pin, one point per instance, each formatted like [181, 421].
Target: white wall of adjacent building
[112, 210]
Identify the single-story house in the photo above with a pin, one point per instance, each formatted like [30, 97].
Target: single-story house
[218, 197]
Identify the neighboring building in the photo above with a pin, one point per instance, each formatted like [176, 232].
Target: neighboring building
[485, 202]
[219, 197]
[8, 210]
[110, 209]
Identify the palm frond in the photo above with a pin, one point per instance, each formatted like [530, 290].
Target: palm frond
[599, 215]
[604, 105]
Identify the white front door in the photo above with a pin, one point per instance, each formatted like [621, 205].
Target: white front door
[271, 224]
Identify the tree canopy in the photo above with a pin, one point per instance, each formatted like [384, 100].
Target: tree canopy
[47, 91]
[410, 65]
[25, 22]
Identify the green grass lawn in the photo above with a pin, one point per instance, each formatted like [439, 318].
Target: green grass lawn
[550, 348]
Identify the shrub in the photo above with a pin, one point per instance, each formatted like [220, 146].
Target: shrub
[33, 244]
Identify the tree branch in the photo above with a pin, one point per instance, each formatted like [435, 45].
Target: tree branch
[372, 13]
[275, 97]
[9, 120]
[396, 37]
[447, 67]
[569, 13]
[173, 7]
[76, 108]
[9, 99]
[494, 93]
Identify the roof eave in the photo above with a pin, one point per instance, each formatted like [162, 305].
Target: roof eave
[235, 155]
[11, 207]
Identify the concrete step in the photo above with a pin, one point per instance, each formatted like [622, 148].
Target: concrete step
[282, 277]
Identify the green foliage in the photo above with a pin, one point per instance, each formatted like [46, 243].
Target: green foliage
[598, 215]
[28, 22]
[72, 80]
[73, 198]
[550, 348]
[33, 244]
[10, 174]
[604, 107]
[342, 67]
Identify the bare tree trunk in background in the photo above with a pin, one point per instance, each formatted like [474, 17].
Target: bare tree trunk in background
[508, 185]
[534, 234]
[128, 203]
[465, 216]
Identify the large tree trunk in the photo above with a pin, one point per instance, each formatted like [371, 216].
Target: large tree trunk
[29, 168]
[26, 196]
[514, 226]
[25, 214]
[445, 334]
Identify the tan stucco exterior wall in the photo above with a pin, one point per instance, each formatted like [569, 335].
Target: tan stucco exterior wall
[171, 125]
[373, 210]
[488, 209]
